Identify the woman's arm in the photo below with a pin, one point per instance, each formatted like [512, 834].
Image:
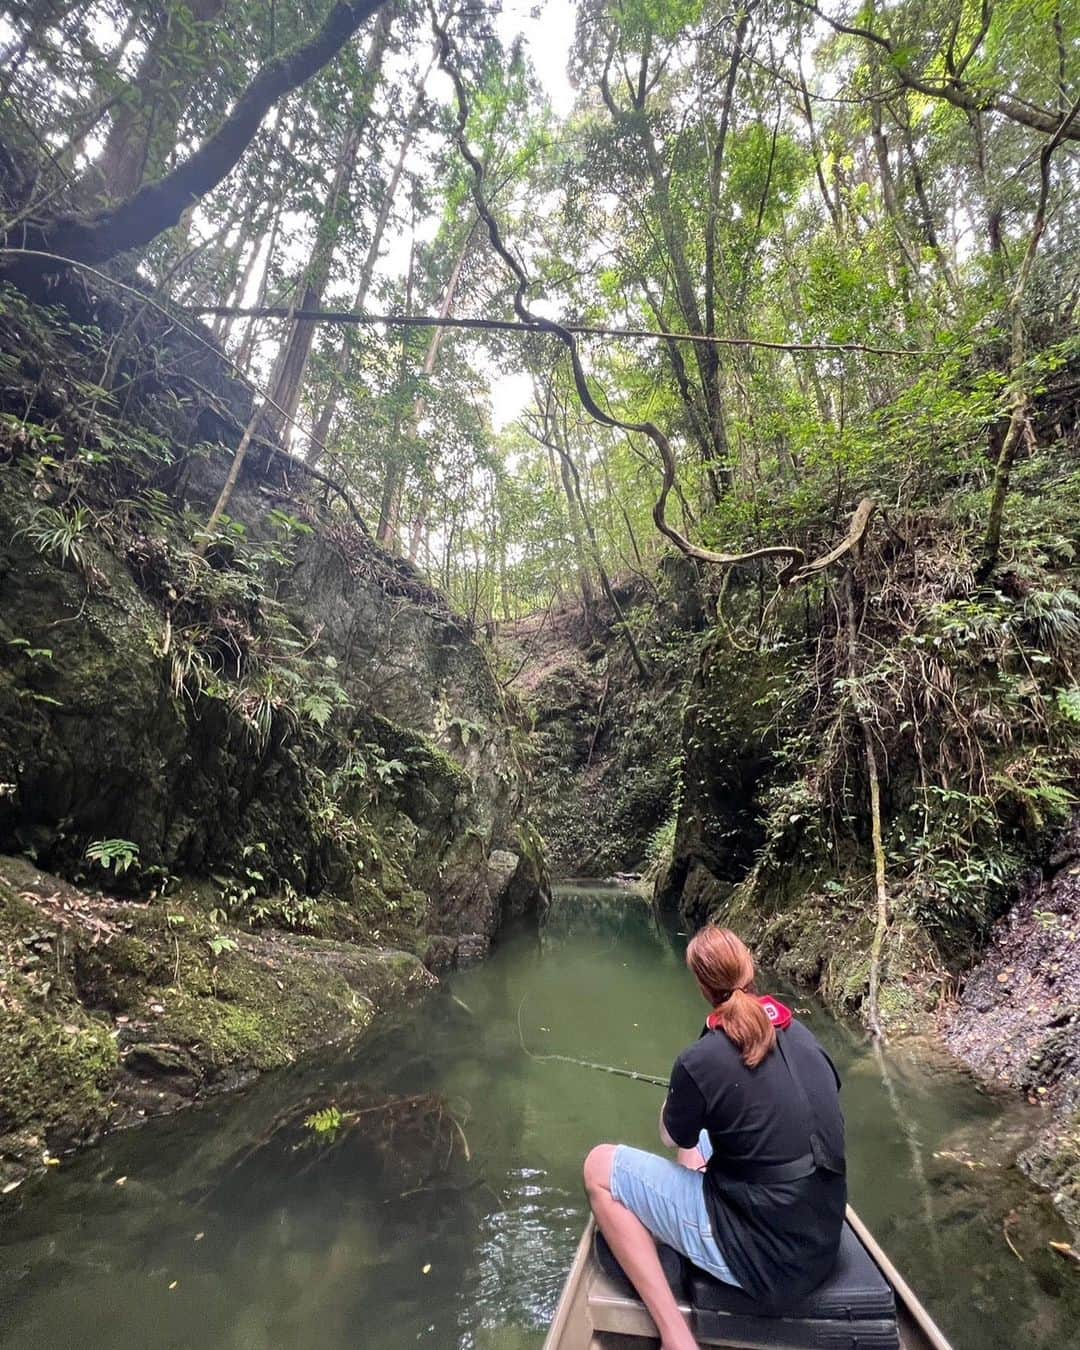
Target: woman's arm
[682, 1117]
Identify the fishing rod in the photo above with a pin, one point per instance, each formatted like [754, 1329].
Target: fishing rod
[586, 1063]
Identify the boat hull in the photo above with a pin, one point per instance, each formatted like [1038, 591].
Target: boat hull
[595, 1313]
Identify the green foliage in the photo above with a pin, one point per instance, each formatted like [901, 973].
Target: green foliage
[59, 533]
[325, 1122]
[699, 188]
[31, 653]
[1067, 702]
[661, 844]
[118, 854]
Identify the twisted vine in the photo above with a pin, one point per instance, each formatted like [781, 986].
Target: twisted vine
[796, 568]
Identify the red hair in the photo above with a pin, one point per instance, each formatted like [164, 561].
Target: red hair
[722, 965]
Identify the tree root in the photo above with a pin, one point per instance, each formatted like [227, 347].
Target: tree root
[881, 921]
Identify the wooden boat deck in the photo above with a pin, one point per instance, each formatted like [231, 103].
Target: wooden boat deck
[595, 1314]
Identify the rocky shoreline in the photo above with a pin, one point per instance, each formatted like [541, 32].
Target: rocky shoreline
[115, 1011]
[1016, 1024]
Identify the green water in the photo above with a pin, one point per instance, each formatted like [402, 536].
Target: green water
[275, 1243]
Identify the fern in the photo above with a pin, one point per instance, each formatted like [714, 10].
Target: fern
[1067, 702]
[325, 1122]
[119, 854]
[1053, 617]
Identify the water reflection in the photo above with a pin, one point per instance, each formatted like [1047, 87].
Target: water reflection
[234, 1229]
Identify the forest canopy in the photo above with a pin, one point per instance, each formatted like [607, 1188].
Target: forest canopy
[845, 230]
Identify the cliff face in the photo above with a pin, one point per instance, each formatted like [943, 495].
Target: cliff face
[277, 729]
[1017, 1022]
[104, 733]
[605, 740]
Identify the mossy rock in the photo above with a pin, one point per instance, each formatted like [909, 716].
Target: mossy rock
[57, 1062]
[110, 1011]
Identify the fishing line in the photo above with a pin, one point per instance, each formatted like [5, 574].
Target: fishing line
[585, 1063]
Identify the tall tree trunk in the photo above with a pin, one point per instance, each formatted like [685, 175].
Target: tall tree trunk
[321, 434]
[888, 191]
[554, 438]
[386, 530]
[926, 213]
[419, 524]
[258, 212]
[150, 115]
[1019, 428]
[251, 431]
[714, 448]
[546, 402]
[247, 343]
[293, 367]
[588, 595]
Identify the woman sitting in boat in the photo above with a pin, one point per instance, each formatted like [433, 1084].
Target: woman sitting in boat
[758, 1193]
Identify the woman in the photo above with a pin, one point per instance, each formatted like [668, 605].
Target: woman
[757, 1196]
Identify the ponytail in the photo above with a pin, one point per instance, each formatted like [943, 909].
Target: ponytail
[747, 1024]
[724, 969]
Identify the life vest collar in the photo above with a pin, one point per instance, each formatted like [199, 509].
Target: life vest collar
[777, 1013]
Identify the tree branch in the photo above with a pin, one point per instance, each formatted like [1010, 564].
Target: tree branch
[160, 205]
[959, 95]
[797, 565]
[349, 316]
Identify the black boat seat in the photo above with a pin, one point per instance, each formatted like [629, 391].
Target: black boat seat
[854, 1309]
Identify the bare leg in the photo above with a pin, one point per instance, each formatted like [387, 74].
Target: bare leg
[635, 1251]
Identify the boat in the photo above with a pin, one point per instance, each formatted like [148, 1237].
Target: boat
[865, 1305]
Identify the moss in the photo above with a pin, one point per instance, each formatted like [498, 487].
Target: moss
[251, 1015]
[115, 978]
[104, 1004]
[821, 939]
[54, 1072]
[56, 1061]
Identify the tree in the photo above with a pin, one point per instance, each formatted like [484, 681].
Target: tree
[159, 205]
[293, 360]
[144, 125]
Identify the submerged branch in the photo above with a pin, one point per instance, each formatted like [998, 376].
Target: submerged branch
[585, 1063]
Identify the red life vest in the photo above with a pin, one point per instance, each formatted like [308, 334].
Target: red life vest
[777, 1013]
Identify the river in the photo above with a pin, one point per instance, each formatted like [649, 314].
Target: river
[451, 1223]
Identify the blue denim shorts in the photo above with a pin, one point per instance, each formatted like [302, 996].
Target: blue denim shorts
[669, 1199]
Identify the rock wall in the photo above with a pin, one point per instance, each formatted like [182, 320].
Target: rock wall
[605, 739]
[1017, 1021]
[304, 707]
[275, 747]
[112, 1011]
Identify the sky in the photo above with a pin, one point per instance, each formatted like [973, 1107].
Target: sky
[548, 32]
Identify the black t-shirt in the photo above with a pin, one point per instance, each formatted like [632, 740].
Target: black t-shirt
[780, 1239]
